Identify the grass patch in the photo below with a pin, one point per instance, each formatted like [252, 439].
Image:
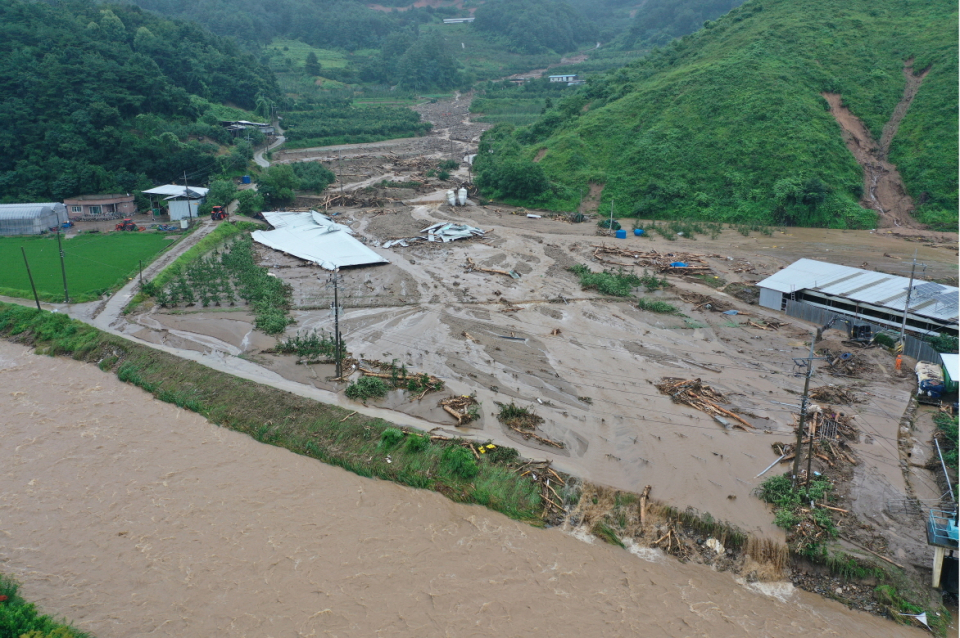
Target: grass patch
[656, 305]
[18, 618]
[617, 284]
[95, 263]
[328, 433]
[807, 528]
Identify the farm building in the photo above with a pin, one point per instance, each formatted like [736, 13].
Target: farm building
[951, 370]
[873, 296]
[457, 20]
[183, 202]
[570, 79]
[96, 205]
[31, 219]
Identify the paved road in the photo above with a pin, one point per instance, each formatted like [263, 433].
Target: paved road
[258, 156]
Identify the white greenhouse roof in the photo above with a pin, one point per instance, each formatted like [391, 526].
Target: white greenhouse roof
[21, 211]
[176, 190]
[866, 286]
[316, 238]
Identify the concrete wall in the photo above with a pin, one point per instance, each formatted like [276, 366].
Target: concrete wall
[184, 209]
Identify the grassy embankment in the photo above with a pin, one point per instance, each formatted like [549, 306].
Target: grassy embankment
[95, 263]
[20, 619]
[328, 433]
[728, 124]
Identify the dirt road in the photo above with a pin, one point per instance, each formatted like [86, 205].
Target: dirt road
[133, 518]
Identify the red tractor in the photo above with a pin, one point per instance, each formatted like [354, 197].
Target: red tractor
[127, 224]
[218, 213]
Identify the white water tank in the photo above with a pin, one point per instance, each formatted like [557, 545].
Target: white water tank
[451, 198]
[462, 196]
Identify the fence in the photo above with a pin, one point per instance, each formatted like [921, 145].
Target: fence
[912, 347]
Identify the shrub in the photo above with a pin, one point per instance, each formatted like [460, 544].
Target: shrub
[417, 443]
[458, 461]
[367, 388]
[606, 223]
[618, 284]
[390, 438]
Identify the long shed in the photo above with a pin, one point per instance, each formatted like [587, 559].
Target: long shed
[31, 219]
[874, 296]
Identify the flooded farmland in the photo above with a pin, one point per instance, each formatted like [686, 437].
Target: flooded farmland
[131, 517]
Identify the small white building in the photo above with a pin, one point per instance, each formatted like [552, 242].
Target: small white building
[568, 78]
[457, 20]
[183, 202]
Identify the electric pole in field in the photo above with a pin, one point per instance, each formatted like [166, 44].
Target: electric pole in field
[340, 168]
[63, 268]
[34, 288]
[337, 310]
[803, 411]
[906, 306]
[611, 216]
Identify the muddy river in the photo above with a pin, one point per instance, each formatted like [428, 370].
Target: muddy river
[131, 517]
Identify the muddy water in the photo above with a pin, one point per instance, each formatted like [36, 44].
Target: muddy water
[133, 518]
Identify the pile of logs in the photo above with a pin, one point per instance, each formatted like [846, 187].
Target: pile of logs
[526, 426]
[459, 407]
[543, 475]
[705, 302]
[399, 376]
[835, 394]
[846, 364]
[654, 259]
[697, 394]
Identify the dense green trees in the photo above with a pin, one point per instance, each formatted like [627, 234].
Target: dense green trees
[97, 98]
[658, 22]
[534, 26]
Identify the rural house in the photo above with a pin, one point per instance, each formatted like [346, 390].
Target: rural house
[97, 205]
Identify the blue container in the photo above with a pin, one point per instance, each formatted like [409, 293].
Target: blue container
[245, 179]
[621, 234]
[637, 231]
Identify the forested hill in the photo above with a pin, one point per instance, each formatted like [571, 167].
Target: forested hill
[98, 98]
[729, 123]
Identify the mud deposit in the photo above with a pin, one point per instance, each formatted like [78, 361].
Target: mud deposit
[131, 517]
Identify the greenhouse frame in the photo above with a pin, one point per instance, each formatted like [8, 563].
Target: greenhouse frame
[31, 219]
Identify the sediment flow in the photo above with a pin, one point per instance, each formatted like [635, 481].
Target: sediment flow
[131, 517]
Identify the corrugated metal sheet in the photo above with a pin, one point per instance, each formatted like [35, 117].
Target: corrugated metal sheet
[176, 189]
[866, 286]
[952, 363]
[316, 238]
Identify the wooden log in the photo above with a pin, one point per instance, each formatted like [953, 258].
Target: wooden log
[453, 413]
[644, 495]
[872, 552]
[347, 417]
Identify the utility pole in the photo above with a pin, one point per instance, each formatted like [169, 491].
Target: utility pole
[906, 306]
[34, 288]
[186, 189]
[336, 321]
[340, 168]
[611, 216]
[63, 269]
[141, 273]
[803, 413]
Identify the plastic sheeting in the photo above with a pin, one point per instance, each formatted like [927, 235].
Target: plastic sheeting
[315, 238]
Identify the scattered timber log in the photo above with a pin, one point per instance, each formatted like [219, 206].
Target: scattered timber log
[461, 408]
[697, 394]
[471, 265]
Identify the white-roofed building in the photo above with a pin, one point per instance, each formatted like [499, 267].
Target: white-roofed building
[874, 296]
[184, 202]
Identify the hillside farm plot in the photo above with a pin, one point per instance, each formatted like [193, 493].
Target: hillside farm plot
[95, 264]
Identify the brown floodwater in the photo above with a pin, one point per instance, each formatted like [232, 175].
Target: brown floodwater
[131, 517]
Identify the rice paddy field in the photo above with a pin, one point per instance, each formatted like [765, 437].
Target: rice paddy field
[95, 263]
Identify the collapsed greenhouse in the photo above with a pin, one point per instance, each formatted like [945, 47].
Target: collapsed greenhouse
[31, 219]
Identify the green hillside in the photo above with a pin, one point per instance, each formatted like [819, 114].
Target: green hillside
[110, 98]
[728, 123]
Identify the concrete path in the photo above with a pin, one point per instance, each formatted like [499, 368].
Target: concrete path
[258, 156]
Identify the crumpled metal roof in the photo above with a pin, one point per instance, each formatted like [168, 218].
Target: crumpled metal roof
[316, 238]
[440, 232]
[177, 190]
[866, 286]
